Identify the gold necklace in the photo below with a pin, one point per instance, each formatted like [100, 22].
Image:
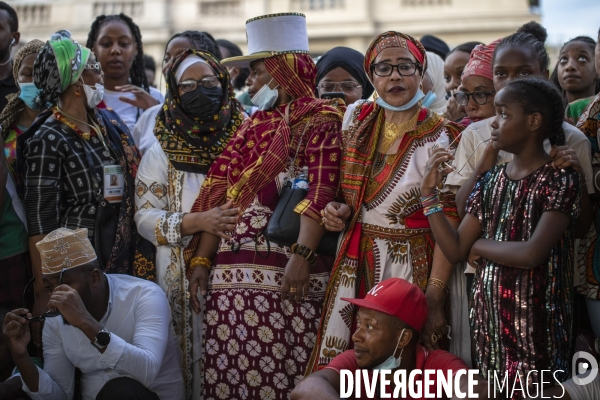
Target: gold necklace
[393, 132]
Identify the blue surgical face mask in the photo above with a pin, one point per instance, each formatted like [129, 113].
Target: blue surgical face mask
[392, 362]
[418, 96]
[28, 93]
[265, 97]
[428, 99]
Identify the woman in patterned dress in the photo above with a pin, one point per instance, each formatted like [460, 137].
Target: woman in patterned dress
[59, 153]
[191, 135]
[262, 302]
[387, 143]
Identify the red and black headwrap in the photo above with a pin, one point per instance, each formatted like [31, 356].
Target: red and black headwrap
[395, 39]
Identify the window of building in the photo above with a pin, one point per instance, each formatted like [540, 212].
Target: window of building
[222, 8]
[305, 5]
[33, 14]
[129, 8]
[422, 3]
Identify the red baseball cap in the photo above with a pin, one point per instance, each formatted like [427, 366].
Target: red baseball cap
[398, 298]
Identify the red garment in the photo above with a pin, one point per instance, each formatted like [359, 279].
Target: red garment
[438, 360]
[480, 63]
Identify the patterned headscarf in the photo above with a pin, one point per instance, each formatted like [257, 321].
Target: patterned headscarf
[296, 73]
[394, 39]
[480, 63]
[15, 104]
[190, 143]
[59, 64]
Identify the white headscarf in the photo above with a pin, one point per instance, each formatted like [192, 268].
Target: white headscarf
[185, 64]
[435, 70]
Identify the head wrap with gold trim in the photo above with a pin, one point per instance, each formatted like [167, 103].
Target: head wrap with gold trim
[65, 248]
[390, 39]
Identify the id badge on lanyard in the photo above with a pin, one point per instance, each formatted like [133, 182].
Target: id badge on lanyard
[114, 183]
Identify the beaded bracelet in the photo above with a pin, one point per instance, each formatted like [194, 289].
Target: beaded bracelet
[431, 204]
[305, 252]
[427, 211]
[197, 261]
[439, 284]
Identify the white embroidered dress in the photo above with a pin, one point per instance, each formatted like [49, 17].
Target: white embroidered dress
[163, 196]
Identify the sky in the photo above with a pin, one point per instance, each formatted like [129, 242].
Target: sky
[565, 19]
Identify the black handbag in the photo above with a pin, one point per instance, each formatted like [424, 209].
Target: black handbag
[284, 226]
[107, 218]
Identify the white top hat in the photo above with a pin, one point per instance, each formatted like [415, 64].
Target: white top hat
[270, 35]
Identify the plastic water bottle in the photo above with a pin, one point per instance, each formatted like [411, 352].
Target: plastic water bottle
[301, 182]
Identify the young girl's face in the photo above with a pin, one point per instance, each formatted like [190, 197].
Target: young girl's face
[509, 124]
[453, 68]
[576, 67]
[116, 49]
[481, 90]
[514, 62]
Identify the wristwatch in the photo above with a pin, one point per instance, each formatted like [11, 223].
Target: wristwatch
[102, 339]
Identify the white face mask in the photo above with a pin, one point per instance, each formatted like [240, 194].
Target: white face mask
[265, 97]
[94, 95]
[392, 363]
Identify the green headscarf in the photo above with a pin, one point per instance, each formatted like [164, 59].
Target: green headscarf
[59, 64]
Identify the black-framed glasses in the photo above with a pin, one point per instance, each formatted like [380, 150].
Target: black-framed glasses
[47, 314]
[480, 98]
[189, 85]
[345, 86]
[386, 69]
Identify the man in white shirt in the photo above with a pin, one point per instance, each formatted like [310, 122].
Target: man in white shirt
[115, 328]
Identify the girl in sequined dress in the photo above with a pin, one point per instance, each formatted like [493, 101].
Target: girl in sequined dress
[518, 231]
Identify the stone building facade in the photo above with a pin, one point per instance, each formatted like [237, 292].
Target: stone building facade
[352, 23]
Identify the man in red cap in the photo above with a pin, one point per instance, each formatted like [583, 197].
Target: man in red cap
[389, 321]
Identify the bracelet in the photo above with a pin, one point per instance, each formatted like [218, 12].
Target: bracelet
[427, 211]
[595, 180]
[304, 252]
[197, 261]
[429, 200]
[439, 284]
[431, 204]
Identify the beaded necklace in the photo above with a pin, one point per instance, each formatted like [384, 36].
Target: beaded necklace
[95, 130]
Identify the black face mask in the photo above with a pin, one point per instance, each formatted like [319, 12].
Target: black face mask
[202, 102]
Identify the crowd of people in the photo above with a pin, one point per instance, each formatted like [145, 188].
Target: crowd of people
[272, 220]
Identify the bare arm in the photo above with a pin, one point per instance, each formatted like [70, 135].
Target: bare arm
[455, 245]
[529, 254]
[322, 385]
[441, 269]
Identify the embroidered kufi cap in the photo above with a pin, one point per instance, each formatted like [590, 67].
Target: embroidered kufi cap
[65, 248]
[270, 35]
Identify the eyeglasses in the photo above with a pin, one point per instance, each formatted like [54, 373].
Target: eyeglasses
[480, 98]
[95, 66]
[190, 85]
[345, 86]
[47, 314]
[386, 69]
